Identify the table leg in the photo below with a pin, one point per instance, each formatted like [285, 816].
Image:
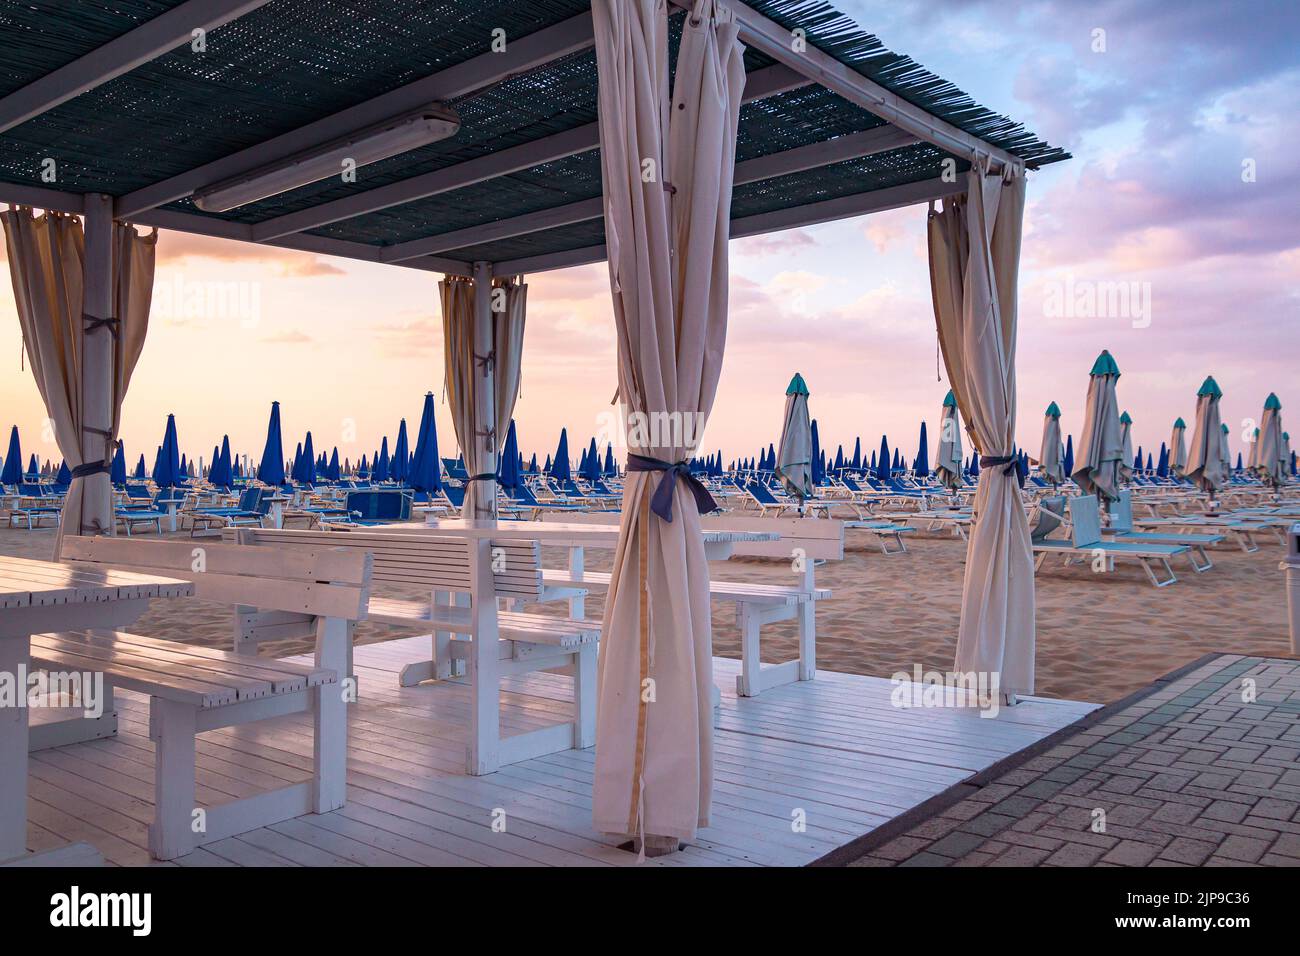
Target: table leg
[277, 515]
[171, 517]
[14, 661]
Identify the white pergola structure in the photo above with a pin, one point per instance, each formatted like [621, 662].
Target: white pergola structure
[126, 114]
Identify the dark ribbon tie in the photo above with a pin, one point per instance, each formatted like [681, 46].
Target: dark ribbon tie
[1013, 466]
[92, 468]
[662, 501]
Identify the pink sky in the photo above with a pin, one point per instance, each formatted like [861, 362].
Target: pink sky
[1160, 125]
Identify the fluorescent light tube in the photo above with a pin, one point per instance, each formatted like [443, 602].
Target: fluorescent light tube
[399, 134]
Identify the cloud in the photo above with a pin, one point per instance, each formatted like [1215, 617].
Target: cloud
[184, 247]
[287, 337]
[774, 243]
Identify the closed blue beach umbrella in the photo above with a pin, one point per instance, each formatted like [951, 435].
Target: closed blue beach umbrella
[271, 470]
[426, 472]
[922, 466]
[12, 473]
[118, 473]
[508, 473]
[560, 468]
[882, 460]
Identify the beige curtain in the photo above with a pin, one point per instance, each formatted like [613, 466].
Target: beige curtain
[667, 192]
[46, 263]
[463, 375]
[508, 349]
[974, 266]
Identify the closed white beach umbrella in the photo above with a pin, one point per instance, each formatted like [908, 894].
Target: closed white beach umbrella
[1178, 448]
[1101, 446]
[794, 456]
[1126, 438]
[1205, 462]
[948, 463]
[1270, 460]
[1225, 453]
[1049, 458]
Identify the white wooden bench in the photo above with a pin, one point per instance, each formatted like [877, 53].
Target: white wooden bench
[804, 542]
[476, 638]
[196, 689]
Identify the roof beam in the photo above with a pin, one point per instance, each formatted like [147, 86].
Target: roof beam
[844, 207]
[768, 37]
[149, 40]
[321, 245]
[841, 149]
[42, 198]
[486, 69]
[760, 84]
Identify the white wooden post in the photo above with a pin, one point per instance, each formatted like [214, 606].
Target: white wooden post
[172, 727]
[577, 565]
[97, 351]
[808, 626]
[484, 676]
[485, 402]
[13, 756]
[330, 746]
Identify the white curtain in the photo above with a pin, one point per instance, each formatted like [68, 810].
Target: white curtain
[667, 191]
[46, 263]
[974, 266]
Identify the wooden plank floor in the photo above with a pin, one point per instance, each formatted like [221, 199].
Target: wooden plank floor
[834, 748]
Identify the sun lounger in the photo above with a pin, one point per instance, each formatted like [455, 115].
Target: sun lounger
[884, 532]
[249, 510]
[1121, 529]
[1086, 543]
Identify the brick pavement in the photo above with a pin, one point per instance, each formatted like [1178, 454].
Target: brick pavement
[1204, 770]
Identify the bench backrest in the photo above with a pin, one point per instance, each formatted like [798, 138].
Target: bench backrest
[818, 538]
[320, 582]
[409, 558]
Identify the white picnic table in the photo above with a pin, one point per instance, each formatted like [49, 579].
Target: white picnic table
[37, 597]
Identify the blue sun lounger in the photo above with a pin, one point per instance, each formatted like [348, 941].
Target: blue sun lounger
[1086, 540]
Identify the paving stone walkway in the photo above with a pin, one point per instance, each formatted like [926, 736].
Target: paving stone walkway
[1202, 770]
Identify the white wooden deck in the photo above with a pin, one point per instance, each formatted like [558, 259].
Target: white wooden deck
[834, 748]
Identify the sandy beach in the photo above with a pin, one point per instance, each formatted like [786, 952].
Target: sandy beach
[1100, 636]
